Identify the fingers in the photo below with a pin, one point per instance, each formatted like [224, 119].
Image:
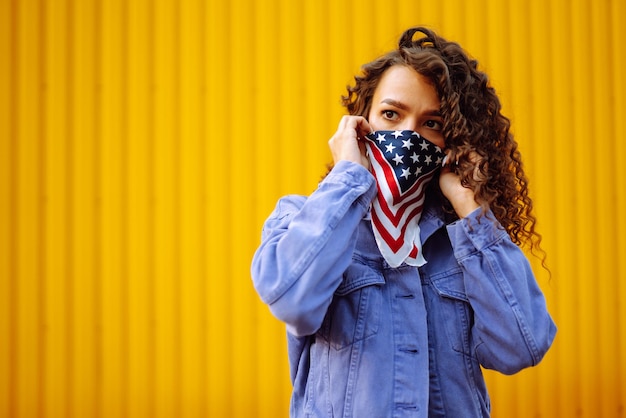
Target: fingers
[460, 196]
[357, 124]
[450, 162]
[346, 143]
[456, 161]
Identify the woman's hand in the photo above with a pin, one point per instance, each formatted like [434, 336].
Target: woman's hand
[347, 143]
[462, 198]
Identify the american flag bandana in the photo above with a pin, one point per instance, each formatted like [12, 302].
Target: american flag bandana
[403, 163]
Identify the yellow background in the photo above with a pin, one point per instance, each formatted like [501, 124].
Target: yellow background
[143, 143]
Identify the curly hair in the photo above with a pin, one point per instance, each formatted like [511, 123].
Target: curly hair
[475, 131]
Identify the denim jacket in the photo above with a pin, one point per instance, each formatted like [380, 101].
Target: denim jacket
[368, 340]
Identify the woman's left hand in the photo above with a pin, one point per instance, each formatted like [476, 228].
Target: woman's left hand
[462, 198]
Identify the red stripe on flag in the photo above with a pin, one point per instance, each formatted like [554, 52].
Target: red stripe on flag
[391, 183]
[392, 243]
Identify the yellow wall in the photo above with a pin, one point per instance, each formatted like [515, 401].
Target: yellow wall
[143, 143]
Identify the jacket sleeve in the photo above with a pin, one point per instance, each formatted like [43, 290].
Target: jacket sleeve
[307, 244]
[512, 327]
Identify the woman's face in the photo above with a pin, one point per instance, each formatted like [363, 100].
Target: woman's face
[406, 100]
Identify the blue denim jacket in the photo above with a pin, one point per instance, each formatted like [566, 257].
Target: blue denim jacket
[368, 340]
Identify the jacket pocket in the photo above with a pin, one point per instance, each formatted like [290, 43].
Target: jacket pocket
[354, 313]
[454, 310]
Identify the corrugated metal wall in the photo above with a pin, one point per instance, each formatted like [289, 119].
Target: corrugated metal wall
[143, 143]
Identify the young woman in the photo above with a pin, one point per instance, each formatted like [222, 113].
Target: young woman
[400, 276]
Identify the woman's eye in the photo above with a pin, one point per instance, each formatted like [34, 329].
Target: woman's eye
[434, 124]
[390, 114]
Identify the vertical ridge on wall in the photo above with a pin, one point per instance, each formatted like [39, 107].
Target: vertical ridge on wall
[193, 204]
[618, 103]
[168, 377]
[27, 217]
[42, 144]
[560, 123]
[139, 212]
[314, 43]
[114, 201]
[53, 352]
[83, 274]
[606, 187]
[219, 396]
[96, 12]
[583, 209]
[239, 153]
[68, 232]
[7, 244]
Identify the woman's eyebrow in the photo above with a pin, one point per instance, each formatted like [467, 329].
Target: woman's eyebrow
[434, 112]
[395, 103]
[400, 105]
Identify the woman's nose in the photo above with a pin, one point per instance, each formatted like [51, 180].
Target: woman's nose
[410, 126]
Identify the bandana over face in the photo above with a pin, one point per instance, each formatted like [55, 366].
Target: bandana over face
[403, 163]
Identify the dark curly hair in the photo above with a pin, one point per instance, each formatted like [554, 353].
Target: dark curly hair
[475, 131]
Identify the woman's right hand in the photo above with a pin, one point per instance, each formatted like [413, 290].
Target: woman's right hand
[347, 142]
